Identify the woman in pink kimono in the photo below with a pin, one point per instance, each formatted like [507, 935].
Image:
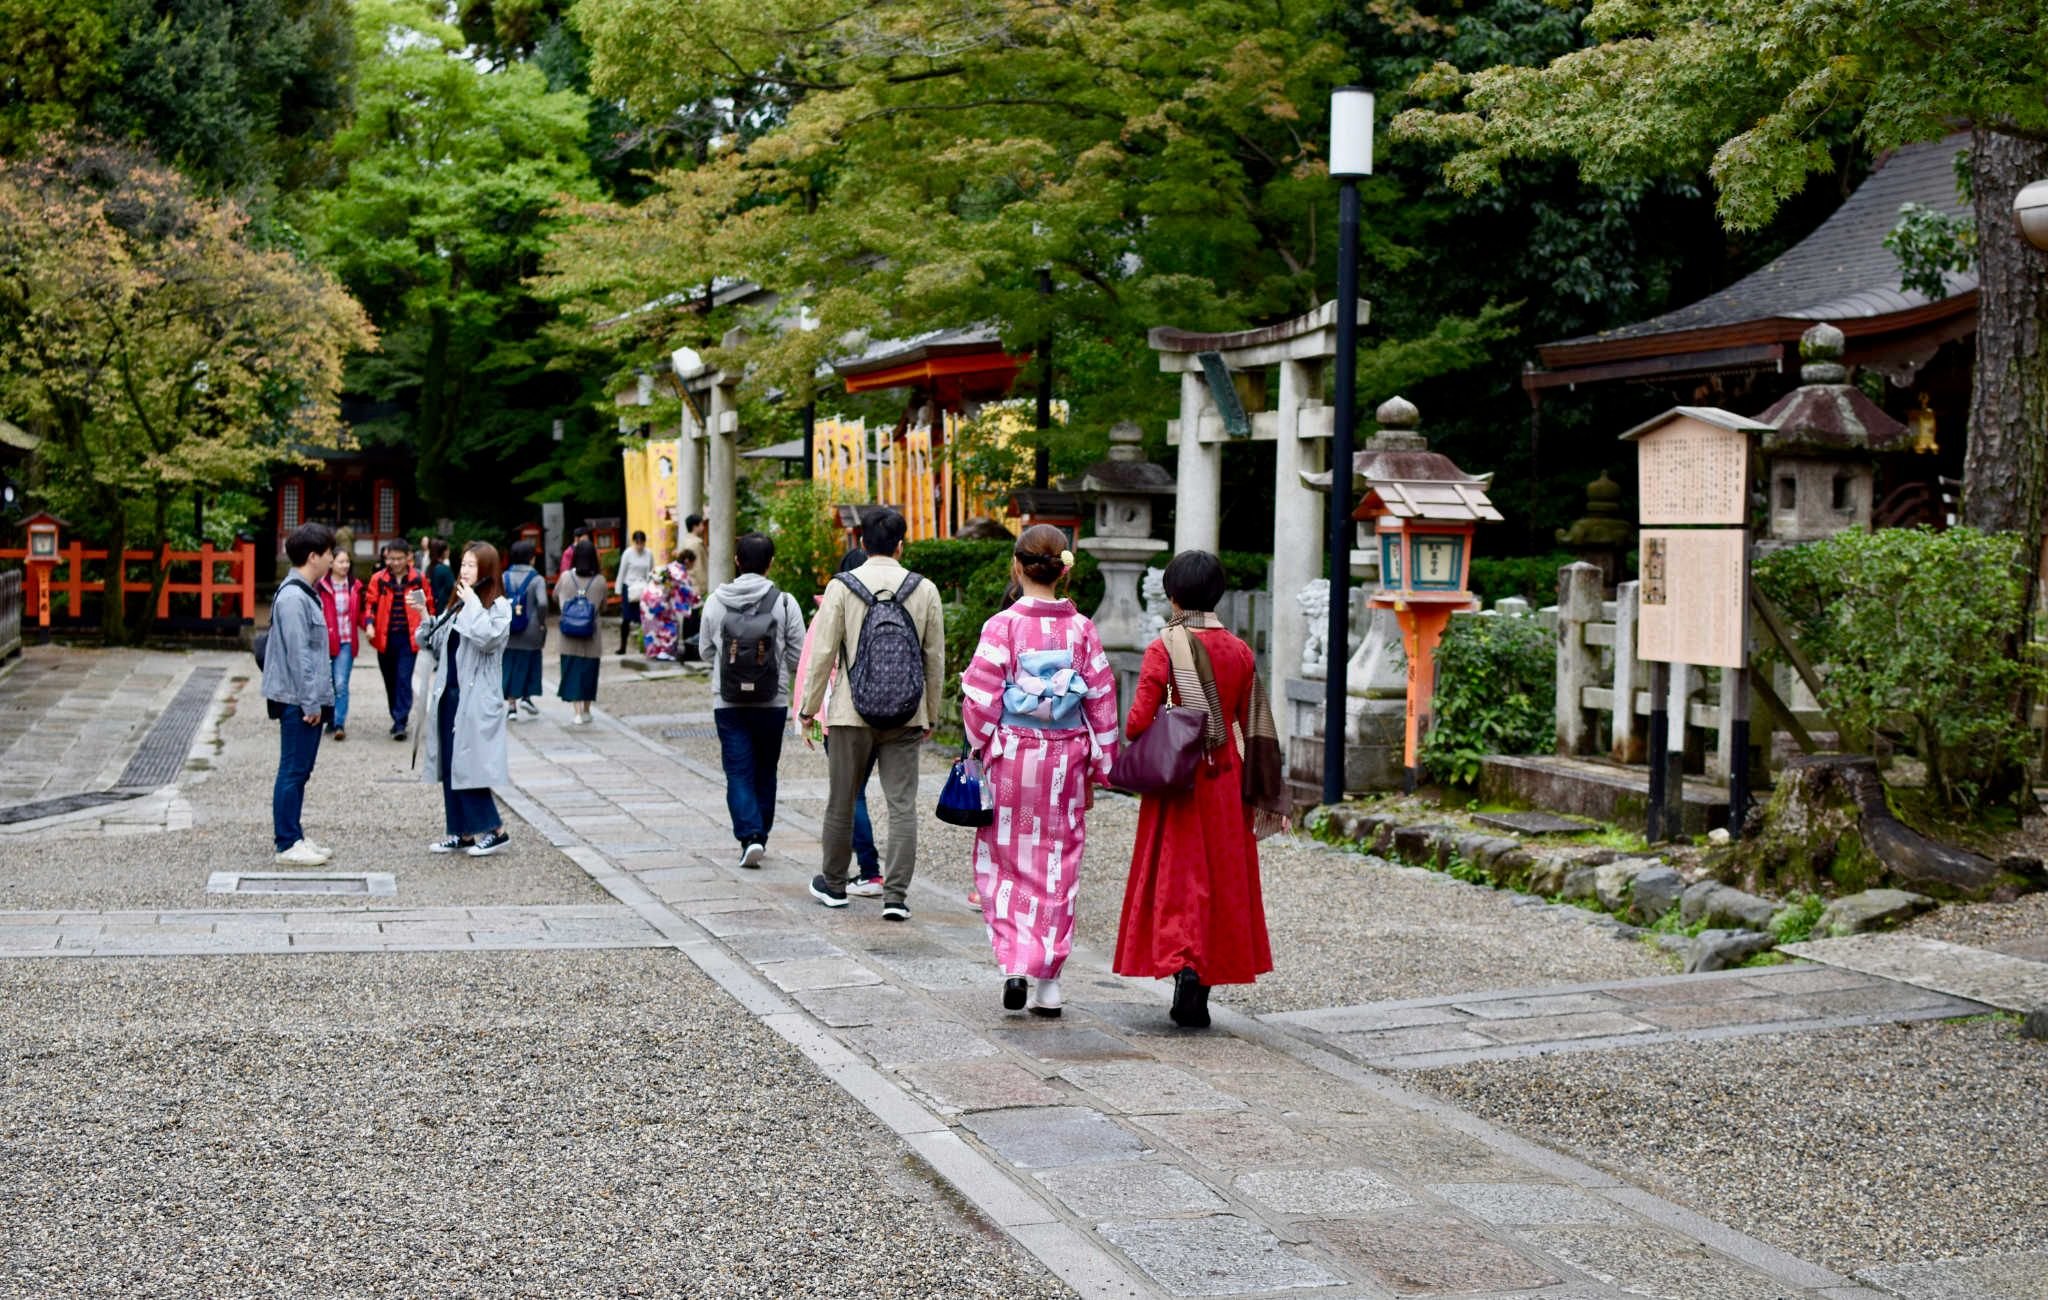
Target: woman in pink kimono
[1038, 703]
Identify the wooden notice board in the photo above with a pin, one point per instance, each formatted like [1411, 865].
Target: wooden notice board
[1692, 609]
[1693, 472]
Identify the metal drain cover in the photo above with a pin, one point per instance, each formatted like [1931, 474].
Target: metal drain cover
[380, 884]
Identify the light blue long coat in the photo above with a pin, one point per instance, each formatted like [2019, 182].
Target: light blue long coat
[478, 761]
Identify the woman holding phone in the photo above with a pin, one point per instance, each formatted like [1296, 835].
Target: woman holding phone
[466, 704]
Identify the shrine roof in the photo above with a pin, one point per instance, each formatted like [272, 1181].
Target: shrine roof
[1842, 273]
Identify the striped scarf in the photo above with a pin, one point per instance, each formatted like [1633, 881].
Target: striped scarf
[1194, 678]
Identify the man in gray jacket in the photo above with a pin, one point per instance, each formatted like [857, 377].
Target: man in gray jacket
[298, 682]
[753, 635]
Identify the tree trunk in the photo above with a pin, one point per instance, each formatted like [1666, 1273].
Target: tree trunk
[2005, 472]
[114, 601]
[160, 571]
[433, 415]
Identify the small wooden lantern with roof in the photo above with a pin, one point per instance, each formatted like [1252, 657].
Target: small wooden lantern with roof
[1425, 512]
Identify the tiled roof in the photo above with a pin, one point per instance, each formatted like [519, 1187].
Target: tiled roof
[1842, 271]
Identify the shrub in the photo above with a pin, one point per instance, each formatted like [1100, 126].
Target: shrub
[1917, 631]
[1496, 682]
[1532, 577]
[808, 542]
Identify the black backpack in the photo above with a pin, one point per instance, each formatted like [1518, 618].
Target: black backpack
[887, 672]
[750, 667]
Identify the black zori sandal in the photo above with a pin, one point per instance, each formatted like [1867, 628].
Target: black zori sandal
[1190, 1009]
[1013, 993]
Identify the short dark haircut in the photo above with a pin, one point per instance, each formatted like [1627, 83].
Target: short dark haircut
[755, 552]
[881, 531]
[581, 530]
[690, 523]
[437, 549]
[307, 541]
[397, 546]
[1194, 581]
[522, 552]
[852, 560]
[639, 536]
[583, 559]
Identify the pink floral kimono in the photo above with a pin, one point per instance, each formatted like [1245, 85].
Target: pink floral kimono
[1038, 702]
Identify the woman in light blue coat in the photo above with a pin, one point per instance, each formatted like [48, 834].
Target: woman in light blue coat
[466, 704]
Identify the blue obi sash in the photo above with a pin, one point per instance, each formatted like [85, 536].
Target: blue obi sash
[1045, 692]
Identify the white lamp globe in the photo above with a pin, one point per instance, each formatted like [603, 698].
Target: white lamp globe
[1350, 131]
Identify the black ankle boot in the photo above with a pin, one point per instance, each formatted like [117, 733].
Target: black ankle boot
[1190, 1009]
[1013, 993]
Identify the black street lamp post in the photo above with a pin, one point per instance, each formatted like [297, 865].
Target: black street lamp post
[1350, 159]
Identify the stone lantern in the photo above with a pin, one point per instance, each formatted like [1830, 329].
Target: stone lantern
[1601, 537]
[1822, 448]
[1121, 490]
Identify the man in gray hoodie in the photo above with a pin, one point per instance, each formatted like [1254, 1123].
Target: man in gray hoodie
[753, 635]
[298, 682]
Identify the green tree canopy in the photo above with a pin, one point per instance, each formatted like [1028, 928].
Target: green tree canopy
[152, 346]
[452, 172]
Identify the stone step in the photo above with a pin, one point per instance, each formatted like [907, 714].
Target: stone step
[1586, 787]
[1993, 978]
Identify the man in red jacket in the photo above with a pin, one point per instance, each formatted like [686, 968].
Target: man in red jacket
[392, 623]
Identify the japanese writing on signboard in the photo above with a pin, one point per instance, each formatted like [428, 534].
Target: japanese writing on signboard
[1692, 472]
[1692, 597]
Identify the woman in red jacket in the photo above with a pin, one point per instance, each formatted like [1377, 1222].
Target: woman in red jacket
[341, 600]
[1192, 907]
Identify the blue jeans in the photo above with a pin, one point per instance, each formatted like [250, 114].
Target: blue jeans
[298, 746]
[395, 662]
[864, 851]
[749, 748]
[344, 664]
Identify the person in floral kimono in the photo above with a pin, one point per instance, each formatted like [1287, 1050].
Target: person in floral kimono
[666, 599]
[1038, 702]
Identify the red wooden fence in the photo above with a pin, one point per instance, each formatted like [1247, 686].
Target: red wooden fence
[222, 576]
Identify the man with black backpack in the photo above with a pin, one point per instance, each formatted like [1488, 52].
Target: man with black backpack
[884, 629]
[753, 635]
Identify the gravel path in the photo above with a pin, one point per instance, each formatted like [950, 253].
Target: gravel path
[364, 802]
[2019, 927]
[1857, 1146]
[507, 1125]
[1345, 928]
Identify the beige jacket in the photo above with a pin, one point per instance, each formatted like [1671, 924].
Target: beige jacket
[838, 626]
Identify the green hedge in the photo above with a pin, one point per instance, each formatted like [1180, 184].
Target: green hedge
[1532, 577]
[1496, 687]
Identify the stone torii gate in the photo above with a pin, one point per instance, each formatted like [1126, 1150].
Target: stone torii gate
[1299, 426]
[708, 462]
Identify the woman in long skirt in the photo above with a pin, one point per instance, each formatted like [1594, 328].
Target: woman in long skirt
[665, 601]
[1038, 702]
[466, 705]
[528, 592]
[1192, 908]
[580, 654]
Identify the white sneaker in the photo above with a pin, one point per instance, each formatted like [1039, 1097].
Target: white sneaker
[319, 848]
[865, 887]
[751, 854]
[303, 854]
[1045, 997]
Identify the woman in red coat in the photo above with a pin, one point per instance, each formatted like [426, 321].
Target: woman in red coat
[1192, 908]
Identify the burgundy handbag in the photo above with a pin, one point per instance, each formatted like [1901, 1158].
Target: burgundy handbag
[1164, 757]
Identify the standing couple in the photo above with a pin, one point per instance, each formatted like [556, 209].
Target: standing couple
[1039, 708]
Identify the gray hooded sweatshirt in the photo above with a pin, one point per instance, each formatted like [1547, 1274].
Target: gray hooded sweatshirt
[739, 595]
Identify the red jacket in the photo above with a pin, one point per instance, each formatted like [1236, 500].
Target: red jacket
[377, 600]
[355, 612]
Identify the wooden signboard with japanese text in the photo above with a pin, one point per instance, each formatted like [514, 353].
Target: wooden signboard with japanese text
[1692, 609]
[1692, 472]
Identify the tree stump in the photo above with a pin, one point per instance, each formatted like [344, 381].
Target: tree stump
[1828, 828]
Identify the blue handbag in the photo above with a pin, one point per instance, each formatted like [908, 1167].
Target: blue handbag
[967, 799]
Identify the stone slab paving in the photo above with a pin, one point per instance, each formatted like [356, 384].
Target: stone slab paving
[1132, 1158]
[1994, 978]
[418, 929]
[71, 719]
[2017, 1275]
[1425, 1033]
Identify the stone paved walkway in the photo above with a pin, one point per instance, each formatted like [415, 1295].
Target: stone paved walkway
[420, 929]
[1994, 978]
[1133, 1158]
[70, 719]
[1424, 1033]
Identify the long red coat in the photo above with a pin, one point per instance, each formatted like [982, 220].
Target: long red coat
[1193, 895]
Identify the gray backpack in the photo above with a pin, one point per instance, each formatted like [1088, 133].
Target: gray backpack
[750, 658]
[887, 672]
